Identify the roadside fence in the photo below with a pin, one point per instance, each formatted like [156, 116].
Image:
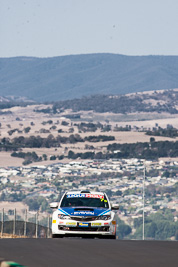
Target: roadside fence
[25, 224]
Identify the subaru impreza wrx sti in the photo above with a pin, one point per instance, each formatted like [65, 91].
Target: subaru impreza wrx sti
[84, 213]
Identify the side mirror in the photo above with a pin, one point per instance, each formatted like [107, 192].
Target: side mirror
[54, 205]
[114, 207]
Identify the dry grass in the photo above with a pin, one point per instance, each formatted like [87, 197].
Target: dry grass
[27, 116]
[19, 206]
[12, 236]
[6, 160]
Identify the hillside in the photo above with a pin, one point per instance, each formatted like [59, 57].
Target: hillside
[152, 101]
[67, 77]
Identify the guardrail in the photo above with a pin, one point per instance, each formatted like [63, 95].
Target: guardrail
[27, 224]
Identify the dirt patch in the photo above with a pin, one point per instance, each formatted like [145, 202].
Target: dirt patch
[6, 160]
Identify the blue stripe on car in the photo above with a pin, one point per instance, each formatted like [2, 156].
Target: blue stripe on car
[64, 212]
[104, 212]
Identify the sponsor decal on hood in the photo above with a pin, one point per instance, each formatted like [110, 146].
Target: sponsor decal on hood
[84, 212]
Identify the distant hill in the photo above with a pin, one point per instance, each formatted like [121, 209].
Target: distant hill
[11, 101]
[150, 101]
[67, 77]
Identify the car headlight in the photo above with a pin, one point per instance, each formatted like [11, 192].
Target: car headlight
[104, 217]
[63, 217]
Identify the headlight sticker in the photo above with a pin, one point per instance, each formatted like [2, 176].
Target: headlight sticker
[71, 223]
[96, 224]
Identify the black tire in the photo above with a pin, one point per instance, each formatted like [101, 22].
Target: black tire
[57, 236]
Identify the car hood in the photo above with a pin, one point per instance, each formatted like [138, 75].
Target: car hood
[84, 211]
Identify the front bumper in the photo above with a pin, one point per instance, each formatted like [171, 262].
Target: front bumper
[76, 228]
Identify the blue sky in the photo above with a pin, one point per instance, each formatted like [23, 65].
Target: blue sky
[47, 28]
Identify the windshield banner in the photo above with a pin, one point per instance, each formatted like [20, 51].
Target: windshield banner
[85, 195]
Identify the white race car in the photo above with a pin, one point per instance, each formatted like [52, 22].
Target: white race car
[84, 213]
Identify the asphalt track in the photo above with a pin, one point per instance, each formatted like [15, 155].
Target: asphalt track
[89, 252]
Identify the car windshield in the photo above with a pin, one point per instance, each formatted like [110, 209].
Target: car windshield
[96, 201]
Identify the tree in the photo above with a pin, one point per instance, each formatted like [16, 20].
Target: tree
[27, 129]
[44, 205]
[33, 204]
[36, 203]
[2, 196]
[44, 156]
[150, 230]
[123, 229]
[152, 139]
[118, 193]
[71, 154]
[159, 226]
[64, 123]
[52, 157]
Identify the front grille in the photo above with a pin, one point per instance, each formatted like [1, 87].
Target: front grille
[87, 229]
[84, 218]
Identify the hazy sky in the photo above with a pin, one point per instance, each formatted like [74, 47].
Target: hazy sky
[46, 28]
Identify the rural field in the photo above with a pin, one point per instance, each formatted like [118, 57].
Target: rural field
[45, 124]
